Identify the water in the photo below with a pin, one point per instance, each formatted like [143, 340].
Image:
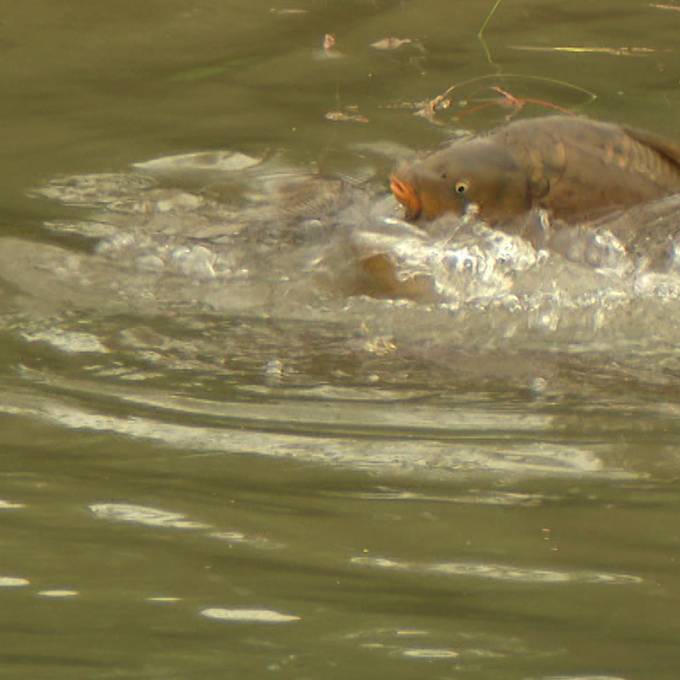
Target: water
[218, 459]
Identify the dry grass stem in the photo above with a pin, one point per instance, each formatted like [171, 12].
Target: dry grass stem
[615, 51]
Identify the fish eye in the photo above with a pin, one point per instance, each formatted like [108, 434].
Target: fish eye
[461, 186]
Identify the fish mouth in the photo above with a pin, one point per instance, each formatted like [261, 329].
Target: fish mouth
[406, 194]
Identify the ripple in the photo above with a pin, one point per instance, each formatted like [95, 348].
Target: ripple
[238, 538]
[139, 514]
[164, 599]
[68, 341]
[434, 645]
[13, 582]
[481, 498]
[430, 653]
[433, 439]
[224, 161]
[248, 615]
[500, 572]
[583, 677]
[9, 505]
[58, 593]
[93, 190]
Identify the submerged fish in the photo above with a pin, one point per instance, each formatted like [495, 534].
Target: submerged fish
[574, 168]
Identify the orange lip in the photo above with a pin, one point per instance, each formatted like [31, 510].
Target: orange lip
[406, 195]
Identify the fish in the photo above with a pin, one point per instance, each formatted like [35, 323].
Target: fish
[573, 168]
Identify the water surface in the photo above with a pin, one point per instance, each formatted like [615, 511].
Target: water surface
[218, 460]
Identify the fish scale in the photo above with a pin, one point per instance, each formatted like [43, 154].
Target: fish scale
[574, 167]
[657, 168]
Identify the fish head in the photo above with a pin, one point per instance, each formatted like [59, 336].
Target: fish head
[474, 174]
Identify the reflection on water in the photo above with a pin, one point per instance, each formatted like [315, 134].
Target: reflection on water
[498, 571]
[13, 582]
[58, 593]
[118, 512]
[248, 615]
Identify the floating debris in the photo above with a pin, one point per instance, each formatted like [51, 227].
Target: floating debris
[348, 116]
[615, 51]
[465, 97]
[391, 43]
[329, 42]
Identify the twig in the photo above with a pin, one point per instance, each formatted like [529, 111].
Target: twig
[562, 83]
[480, 33]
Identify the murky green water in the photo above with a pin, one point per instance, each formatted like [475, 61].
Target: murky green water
[216, 463]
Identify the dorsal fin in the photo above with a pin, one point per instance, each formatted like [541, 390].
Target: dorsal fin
[669, 150]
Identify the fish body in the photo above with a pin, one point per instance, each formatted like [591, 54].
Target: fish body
[573, 167]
